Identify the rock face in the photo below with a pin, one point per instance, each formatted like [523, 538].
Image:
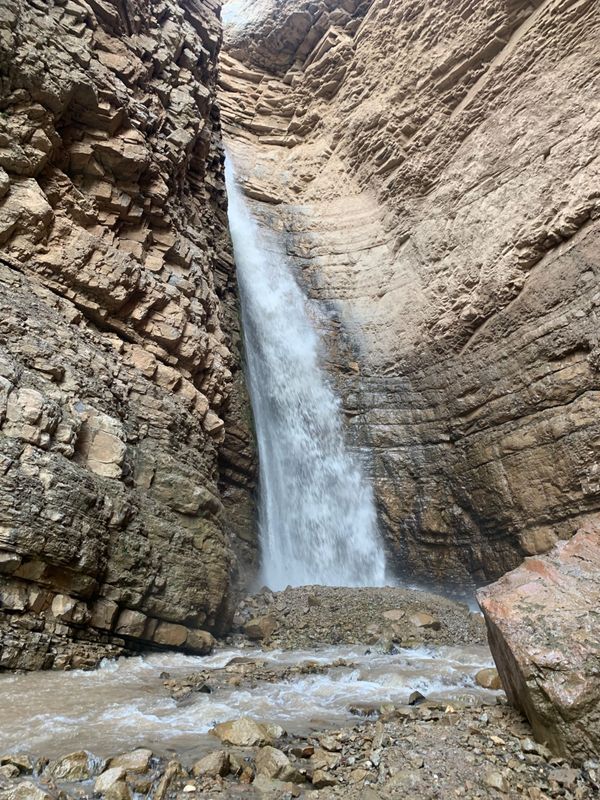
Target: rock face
[433, 169]
[125, 446]
[543, 629]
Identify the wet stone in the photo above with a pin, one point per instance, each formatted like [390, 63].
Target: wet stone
[22, 762]
[135, 761]
[79, 766]
[108, 779]
[488, 679]
[243, 732]
[213, 764]
[416, 698]
[27, 791]
[9, 771]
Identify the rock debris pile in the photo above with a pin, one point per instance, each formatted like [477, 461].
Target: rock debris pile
[307, 616]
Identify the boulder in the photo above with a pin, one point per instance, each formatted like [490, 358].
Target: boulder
[172, 773]
[170, 634]
[78, 766]
[544, 635]
[420, 619]
[260, 627]
[488, 679]
[111, 784]
[212, 765]
[118, 791]
[321, 779]
[330, 743]
[108, 778]
[201, 642]
[275, 764]
[275, 731]
[324, 760]
[23, 763]
[27, 791]
[416, 698]
[243, 732]
[135, 761]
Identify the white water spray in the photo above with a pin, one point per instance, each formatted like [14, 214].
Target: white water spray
[317, 514]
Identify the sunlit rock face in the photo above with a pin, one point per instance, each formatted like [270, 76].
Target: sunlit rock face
[433, 168]
[125, 447]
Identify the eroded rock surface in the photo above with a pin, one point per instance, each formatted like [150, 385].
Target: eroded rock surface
[543, 630]
[125, 446]
[434, 170]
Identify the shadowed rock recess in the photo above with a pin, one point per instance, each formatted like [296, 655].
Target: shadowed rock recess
[126, 456]
[434, 169]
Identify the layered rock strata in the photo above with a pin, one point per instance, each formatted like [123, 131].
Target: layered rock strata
[125, 466]
[543, 628]
[434, 170]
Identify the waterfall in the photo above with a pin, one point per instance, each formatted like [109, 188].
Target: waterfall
[316, 511]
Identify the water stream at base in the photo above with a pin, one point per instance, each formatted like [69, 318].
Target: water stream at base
[318, 522]
[124, 704]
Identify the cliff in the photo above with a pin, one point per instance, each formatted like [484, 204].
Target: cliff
[434, 170]
[126, 458]
[434, 173]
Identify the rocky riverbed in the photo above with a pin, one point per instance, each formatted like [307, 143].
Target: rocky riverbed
[427, 751]
[389, 709]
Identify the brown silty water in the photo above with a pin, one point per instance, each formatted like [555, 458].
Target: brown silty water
[124, 704]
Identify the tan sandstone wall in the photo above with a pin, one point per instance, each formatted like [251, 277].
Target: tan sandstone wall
[434, 167]
[125, 464]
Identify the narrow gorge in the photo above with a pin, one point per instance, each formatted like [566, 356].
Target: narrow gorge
[299, 385]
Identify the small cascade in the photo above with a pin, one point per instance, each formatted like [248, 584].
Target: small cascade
[318, 522]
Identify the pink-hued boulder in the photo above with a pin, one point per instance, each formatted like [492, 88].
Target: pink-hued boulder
[543, 623]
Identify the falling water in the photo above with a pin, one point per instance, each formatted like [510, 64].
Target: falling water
[317, 515]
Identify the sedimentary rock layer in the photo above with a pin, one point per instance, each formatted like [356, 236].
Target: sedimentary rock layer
[543, 629]
[434, 168]
[125, 466]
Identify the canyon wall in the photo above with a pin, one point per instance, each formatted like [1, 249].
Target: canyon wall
[126, 456]
[434, 169]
